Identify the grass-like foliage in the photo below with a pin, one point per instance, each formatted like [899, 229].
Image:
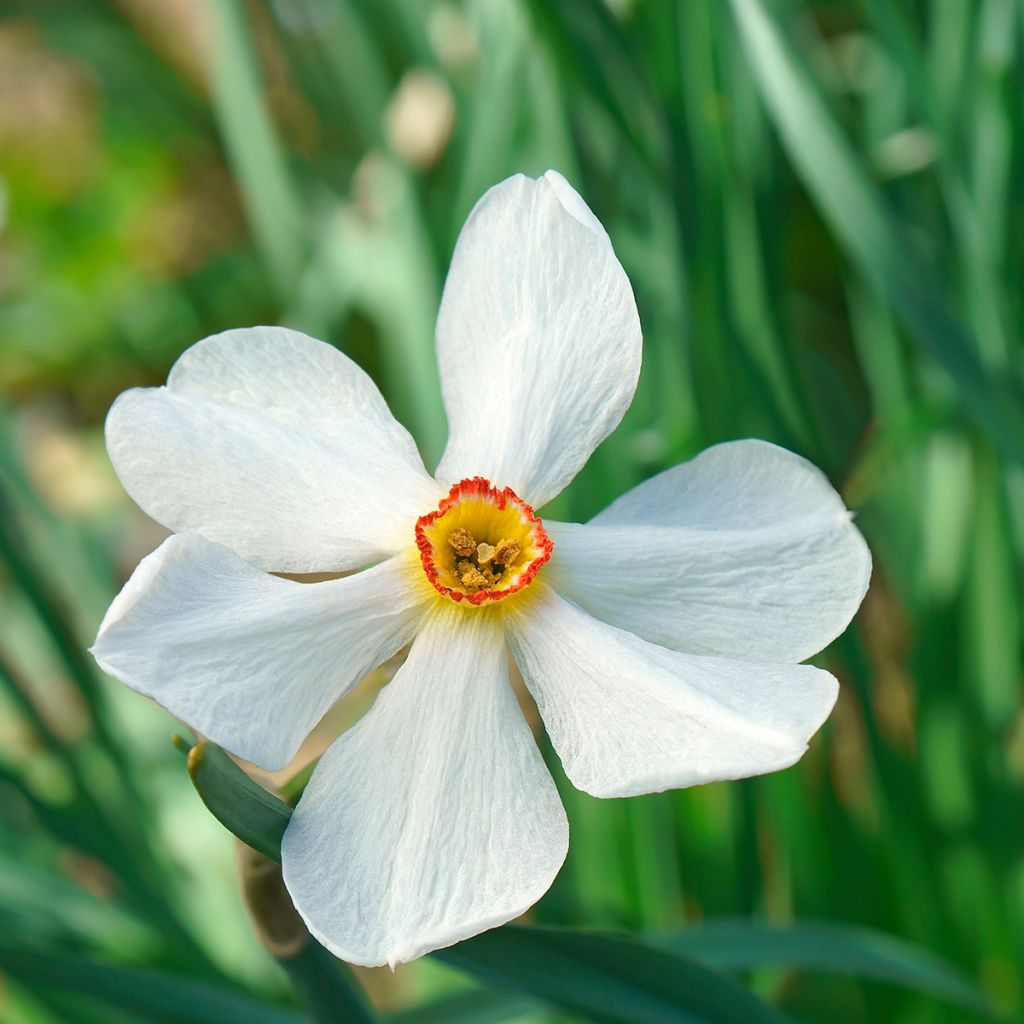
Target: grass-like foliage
[819, 206]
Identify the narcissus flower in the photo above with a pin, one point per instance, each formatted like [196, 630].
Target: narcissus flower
[661, 640]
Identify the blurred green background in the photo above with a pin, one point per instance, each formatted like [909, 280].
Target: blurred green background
[820, 206]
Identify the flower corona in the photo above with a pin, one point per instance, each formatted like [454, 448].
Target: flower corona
[481, 543]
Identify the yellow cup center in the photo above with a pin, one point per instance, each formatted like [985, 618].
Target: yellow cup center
[481, 543]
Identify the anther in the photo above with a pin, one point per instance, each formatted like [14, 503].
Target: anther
[471, 576]
[463, 542]
[507, 552]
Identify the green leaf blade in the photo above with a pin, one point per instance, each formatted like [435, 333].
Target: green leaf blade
[855, 211]
[823, 946]
[607, 978]
[158, 997]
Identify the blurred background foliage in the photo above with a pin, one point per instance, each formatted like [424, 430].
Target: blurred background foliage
[820, 207]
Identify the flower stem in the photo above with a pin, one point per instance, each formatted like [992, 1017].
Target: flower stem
[323, 984]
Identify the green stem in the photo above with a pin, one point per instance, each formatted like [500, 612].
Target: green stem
[323, 984]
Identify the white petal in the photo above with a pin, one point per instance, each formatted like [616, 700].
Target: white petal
[629, 717]
[252, 661]
[538, 339]
[745, 552]
[276, 445]
[434, 818]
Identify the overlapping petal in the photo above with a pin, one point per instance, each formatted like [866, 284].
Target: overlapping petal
[276, 445]
[434, 817]
[628, 717]
[250, 660]
[538, 339]
[745, 552]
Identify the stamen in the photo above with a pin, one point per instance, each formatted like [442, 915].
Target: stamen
[507, 551]
[481, 544]
[471, 576]
[463, 542]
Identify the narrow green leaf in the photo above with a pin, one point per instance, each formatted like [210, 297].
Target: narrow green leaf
[40, 904]
[242, 806]
[26, 573]
[607, 978]
[253, 148]
[578, 31]
[494, 107]
[863, 225]
[820, 946]
[62, 1008]
[325, 987]
[479, 1006]
[169, 1000]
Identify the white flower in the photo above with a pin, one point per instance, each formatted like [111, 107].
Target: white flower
[661, 640]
